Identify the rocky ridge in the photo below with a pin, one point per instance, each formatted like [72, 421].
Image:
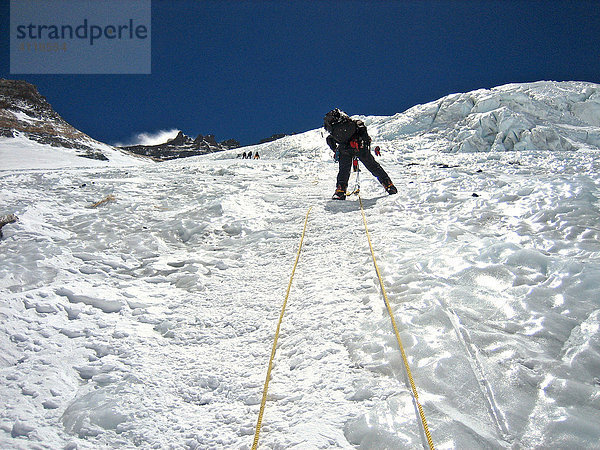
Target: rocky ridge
[24, 111]
[182, 146]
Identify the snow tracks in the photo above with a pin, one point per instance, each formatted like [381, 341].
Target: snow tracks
[149, 320]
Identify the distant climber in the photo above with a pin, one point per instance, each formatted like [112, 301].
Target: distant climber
[256, 156]
[377, 150]
[349, 139]
[249, 155]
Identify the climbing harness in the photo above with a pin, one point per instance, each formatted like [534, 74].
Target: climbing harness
[413, 387]
[268, 377]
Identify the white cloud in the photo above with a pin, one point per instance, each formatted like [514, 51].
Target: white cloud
[150, 138]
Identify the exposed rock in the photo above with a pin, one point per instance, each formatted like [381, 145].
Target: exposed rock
[180, 139]
[182, 146]
[208, 139]
[230, 143]
[5, 220]
[23, 111]
[274, 138]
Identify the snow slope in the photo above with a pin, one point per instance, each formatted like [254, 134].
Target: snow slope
[22, 153]
[148, 321]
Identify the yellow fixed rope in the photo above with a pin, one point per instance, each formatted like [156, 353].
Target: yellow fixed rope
[404, 359]
[287, 294]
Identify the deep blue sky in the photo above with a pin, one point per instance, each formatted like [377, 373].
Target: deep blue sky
[249, 69]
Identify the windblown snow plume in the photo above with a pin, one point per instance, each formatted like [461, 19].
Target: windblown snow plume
[150, 138]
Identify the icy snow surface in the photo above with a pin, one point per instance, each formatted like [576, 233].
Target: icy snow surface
[23, 153]
[148, 321]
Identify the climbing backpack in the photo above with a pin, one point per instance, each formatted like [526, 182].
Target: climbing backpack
[339, 125]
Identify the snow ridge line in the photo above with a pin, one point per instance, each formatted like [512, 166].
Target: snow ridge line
[273, 350]
[413, 387]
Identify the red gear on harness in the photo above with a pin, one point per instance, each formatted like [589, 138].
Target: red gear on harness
[354, 144]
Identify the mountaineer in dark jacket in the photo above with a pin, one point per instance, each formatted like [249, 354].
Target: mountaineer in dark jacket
[349, 139]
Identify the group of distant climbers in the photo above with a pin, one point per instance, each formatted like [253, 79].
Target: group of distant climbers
[249, 155]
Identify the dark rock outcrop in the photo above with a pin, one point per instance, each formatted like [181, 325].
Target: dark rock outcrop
[182, 146]
[273, 138]
[23, 111]
[5, 220]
